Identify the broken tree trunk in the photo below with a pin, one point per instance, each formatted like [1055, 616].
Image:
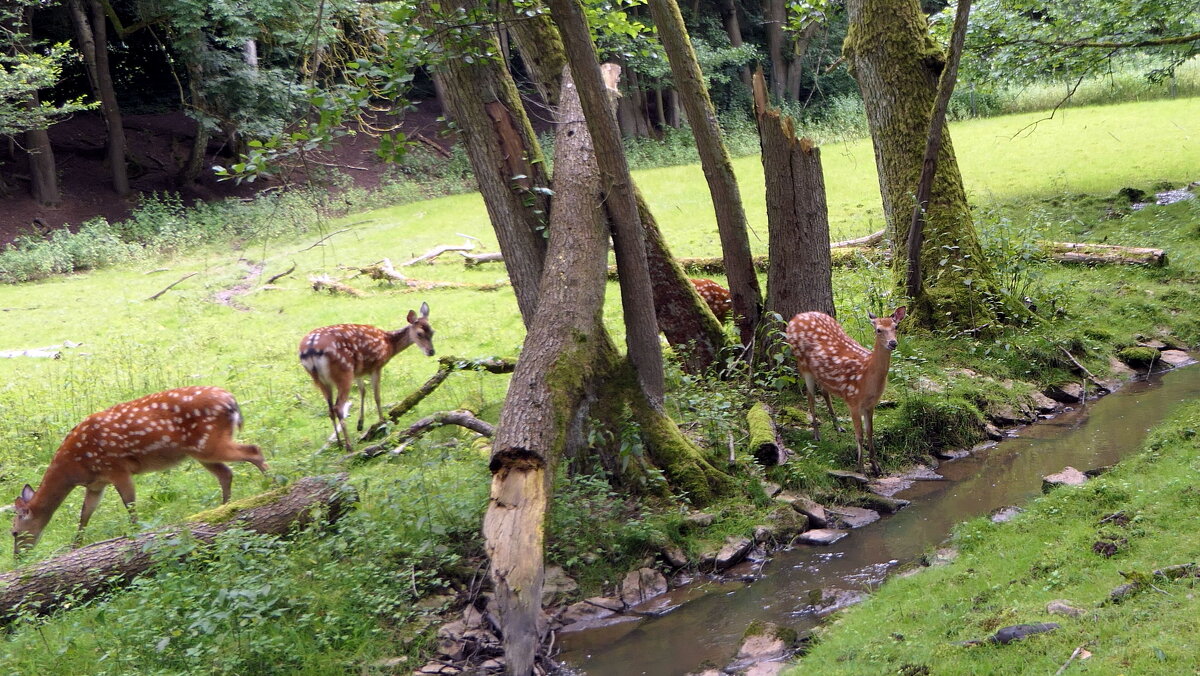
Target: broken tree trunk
[765, 443]
[88, 572]
[800, 277]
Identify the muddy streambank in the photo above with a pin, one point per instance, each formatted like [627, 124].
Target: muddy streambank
[700, 625]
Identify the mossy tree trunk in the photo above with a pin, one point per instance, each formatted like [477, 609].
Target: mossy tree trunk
[641, 327]
[504, 153]
[897, 66]
[681, 313]
[565, 358]
[718, 170]
[800, 276]
[43, 174]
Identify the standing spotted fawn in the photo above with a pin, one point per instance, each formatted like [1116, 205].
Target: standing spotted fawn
[825, 355]
[715, 296]
[144, 435]
[337, 356]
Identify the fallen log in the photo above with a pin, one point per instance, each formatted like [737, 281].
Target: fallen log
[448, 365]
[399, 443]
[48, 352]
[1085, 253]
[439, 250]
[765, 443]
[333, 286]
[471, 260]
[91, 571]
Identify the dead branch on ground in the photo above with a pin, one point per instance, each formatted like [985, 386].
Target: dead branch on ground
[274, 278]
[439, 250]
[333, 286]
[404, 439]
[448, 365]
[160, 293]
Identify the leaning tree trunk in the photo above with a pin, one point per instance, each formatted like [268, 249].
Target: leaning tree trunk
[800, 277]
[88, 572]
[566, 354]
[641, 328]
[93, 45]
[506, 159]
[718, 170]
[897, 67]
[680, 312]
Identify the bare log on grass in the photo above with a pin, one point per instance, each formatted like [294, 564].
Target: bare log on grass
[472, 260]
[275, 278]
[397, 444]
[333, 286]
[86, 573]
[1105, 254]
[439, 250]
[48, 352]
[448, 365]
[765, 443]
[868, 240]
[382, 271]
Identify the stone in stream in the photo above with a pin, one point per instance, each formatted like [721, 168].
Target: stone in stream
[1175, 358]
[1043, 404]
[852, 517]
[822, 536]
[822, 602]
[674, 556]
[1070, 393]
[814, 511]
[882, 503]
[735, 550]
[595, 608]
[1068, 477]
[853, 478]
[641, 585]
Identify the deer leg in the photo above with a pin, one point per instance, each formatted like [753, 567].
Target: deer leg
[832, 415]
[375, 377]
[855, 417]
[91, 500]
[362, 402]
[124, 485]
[869, 423]
[343, 409]
[224, 477]
[810, 385]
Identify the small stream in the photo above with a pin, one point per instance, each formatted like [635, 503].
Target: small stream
[709, 626]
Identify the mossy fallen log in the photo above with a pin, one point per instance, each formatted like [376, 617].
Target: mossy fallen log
[88, 572]
[765, 443]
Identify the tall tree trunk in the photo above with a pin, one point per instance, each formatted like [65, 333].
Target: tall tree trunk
[566, 355]
[636, 290]
[540, 47]
[897, 66]
[507, 162]
[718, 170]
[795, 71]
[43, 175]
[92, 34]
[678, 309]
[733, 28]
[800, 277]
[774, 17]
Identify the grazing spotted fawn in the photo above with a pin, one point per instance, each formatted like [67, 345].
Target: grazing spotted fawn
[144, 435]
[336, 356]
[825, 355]
[716, 296]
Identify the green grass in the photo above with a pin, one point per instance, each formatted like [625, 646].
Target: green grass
[1007, 573]
[420, 511]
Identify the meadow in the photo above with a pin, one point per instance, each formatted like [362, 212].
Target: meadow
[1024, 170]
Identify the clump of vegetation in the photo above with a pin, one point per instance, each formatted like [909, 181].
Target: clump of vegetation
[1138, 357]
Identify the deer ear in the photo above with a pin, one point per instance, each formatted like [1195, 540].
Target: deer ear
[27, 493]
[899, 314]
[871, 315]
[412, 316]
[424, 309]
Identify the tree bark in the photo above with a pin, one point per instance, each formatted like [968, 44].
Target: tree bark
[541, 49]
[916, 230]
[93, 45]
[733, 28]
[88, 572]
[617, 187]
[897, 66]
[507, 162]
[718, 170]
[774, 17]
[43, 174]
[565, 358]
[800, 277]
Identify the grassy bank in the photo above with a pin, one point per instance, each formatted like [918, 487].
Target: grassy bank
[338, 601]
[1007, 573]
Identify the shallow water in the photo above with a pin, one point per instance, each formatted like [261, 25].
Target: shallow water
[709, 627]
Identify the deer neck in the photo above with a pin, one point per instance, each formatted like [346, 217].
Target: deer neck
[55, 487]
[879, 361]
[400, 339]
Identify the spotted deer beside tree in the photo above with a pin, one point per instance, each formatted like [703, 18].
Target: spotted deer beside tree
[826, 356]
